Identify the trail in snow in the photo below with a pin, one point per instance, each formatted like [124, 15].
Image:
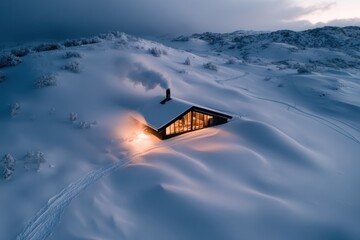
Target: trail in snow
[231, 79]
[326, 122]
[319, 119]
[347, 124]
[41, 226]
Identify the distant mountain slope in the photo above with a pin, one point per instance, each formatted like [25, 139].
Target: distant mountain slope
[342, 45]
[326, 37]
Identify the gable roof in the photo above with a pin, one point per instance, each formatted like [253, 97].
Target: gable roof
[157, 115]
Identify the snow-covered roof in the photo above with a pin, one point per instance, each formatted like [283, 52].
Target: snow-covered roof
[158, 115]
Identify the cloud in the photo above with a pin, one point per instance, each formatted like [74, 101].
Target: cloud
[340, 22]
[48, 19]
[148, 78]
[324, 6]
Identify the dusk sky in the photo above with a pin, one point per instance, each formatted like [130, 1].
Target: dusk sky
[48, 19]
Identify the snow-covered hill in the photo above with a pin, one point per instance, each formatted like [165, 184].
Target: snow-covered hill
[314, 49]
[285, 167]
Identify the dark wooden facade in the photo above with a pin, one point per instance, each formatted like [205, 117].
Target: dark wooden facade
[193, 119]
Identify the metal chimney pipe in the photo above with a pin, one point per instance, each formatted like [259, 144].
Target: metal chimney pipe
[168, 94]
[167, 97]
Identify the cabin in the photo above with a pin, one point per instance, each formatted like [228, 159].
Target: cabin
[169, 117]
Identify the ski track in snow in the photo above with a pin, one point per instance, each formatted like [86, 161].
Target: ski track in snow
[319, 119]
[231, 79]
[41, 226]
[326, 122]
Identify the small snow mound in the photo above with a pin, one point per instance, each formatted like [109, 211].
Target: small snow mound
[46, 80]
[8, 166]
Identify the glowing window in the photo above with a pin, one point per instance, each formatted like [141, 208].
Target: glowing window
[180, 125]
[200, 120]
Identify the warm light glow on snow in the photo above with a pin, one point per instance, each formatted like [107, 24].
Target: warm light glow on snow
[133, 137]
[140, 142]
[140, 137]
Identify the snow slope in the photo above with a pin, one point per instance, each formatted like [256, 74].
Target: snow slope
[285, 167]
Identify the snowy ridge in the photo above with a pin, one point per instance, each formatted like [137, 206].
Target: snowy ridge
[294, 49]
[285, 167]
[326, 37]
